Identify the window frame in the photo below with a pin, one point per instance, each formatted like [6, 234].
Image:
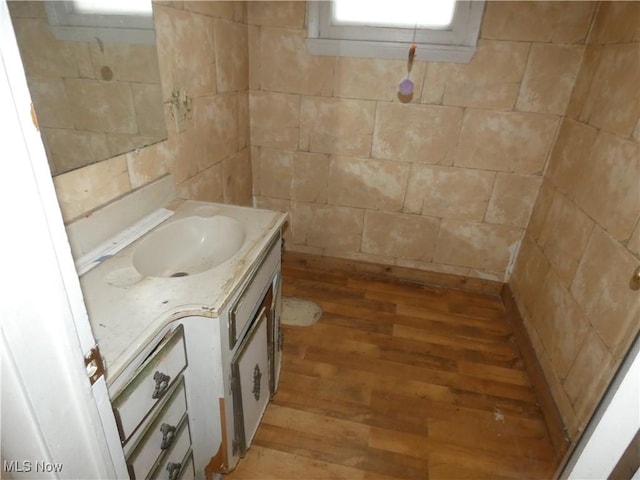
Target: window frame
[456, 43]
[69, 24]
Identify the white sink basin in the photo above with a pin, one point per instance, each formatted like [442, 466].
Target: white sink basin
[189, 245]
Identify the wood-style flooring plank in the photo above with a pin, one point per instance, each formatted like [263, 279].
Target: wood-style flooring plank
[398, 380]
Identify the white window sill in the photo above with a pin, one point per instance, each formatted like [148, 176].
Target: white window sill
[389, 50]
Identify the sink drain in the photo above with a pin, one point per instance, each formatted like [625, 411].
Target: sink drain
[179, 274]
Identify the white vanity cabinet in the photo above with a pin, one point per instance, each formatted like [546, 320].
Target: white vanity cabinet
[252, 357]
[189, 405]
[151, 412]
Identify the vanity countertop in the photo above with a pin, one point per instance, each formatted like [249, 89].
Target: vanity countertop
[127, 309]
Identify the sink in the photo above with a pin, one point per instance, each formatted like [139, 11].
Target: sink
[189, 245]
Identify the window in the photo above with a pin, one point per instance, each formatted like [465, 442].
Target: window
[115, 21]
[443, 30]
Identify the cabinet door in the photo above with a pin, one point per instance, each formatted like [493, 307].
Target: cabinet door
[251, 372]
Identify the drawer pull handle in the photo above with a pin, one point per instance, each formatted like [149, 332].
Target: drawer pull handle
[168, 434]
[174, 470]
[257, 376]
[162, 384]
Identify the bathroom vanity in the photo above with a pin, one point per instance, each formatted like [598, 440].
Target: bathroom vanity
[191, 342]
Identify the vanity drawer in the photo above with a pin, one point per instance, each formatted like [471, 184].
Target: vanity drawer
[150, 383]
[249, 299]
[177, 461]
[159, 434]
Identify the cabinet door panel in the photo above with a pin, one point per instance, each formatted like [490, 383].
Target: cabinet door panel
[252, 377]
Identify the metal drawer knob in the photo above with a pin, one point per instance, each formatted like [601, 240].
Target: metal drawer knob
[635, 280]
[168, 434]
[174, 470]
[162, 384]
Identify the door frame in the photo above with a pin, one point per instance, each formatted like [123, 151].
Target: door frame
[64, 421]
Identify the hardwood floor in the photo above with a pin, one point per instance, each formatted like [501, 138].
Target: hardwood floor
[398, 381]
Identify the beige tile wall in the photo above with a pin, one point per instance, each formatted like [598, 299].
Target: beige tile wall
[204, 65]
[93, 102]
[582, 244]
[446, 182]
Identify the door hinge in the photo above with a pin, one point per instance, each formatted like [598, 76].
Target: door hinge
[94, 365]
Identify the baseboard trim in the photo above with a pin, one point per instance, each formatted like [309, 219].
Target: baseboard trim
[405, 275]
[550, 412]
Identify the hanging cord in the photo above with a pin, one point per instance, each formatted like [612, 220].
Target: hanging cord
[405, 87]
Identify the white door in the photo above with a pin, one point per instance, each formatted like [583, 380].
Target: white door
[54, 423]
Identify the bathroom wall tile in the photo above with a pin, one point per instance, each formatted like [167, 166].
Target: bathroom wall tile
[218, 9]
[236, 174]
[569, 418]
[591, 364]
[244, 126]
[512, 199]
[549, 78]
[275, 173]
[486, 275]
[101, 106]
[70, 149]
[448, 192]
[636, 132]
[275, 119]
[529, 272]
[434, 267]
[291, 68]
[255, 169]
[634, 242]
[147, 164]
[126, 62]
[601, 287]
[573, 145]
[216, 128]
[277, 204]
[205, 186]
[540, 209]
[608, 188]
[490, 80]
[590, 62]
[613, 99]
[557, 311]
[374, 79]
[277, 14]
[341, 126]
[82, 190]
[390, 234]
[231, 55]
[240, 12]
[415, 133]
[42, 54]
[182, 154]
[50, 97]
[337, 230]
[616, 22]
[310, 177]
[564, 237]
[476, 245]
[147, 102]
[120, 143]
[255, 59]
[532, 21]
[367, 183]
[186, 51]
[505, 141]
